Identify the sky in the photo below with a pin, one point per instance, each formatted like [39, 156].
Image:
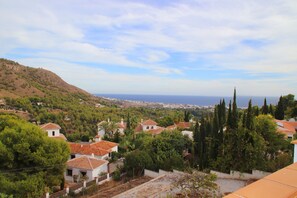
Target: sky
[203, 47]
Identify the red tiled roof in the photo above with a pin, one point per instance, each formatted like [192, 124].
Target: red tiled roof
[85, 162]
[184, 125]
[280, 184]
[138, 128]
[121, 126]
[50, 126]
[98, 148]
[149, 122]
[171, 127]
[156, 131]
[287, 128]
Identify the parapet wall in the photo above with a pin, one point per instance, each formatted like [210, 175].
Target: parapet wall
[256, 174]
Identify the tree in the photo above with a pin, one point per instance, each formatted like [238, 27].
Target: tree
[136, 161]
[30, 160]
[197, 184]
[249, 117]
[187, 116]
[280, 109]
[265, 107]
[234, 112]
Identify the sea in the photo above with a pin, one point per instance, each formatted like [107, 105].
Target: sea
[242, 101]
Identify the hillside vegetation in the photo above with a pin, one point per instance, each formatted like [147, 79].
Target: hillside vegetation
[41, 96]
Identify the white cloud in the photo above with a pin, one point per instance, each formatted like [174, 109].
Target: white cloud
[113, 33]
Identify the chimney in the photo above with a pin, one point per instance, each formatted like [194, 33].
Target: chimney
[93, 155]
[122, 121]
[97, 138]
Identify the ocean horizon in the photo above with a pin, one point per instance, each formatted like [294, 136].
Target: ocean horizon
[242, 101]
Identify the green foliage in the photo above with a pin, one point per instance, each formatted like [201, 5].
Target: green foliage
[197, 184]
[136, 161]
[280, 109]
[117, 175]
[32, 160]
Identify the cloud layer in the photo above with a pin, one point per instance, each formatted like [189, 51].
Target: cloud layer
[194, 48]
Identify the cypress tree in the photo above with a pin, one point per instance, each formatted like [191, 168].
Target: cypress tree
[229, 119]
[271, 111]
[202, 144]
[234, 112]
[197, 143]
[128, 125]
[265, 107]
[280, 110]
[249, 117]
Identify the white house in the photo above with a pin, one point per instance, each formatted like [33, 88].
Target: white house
[288, 128]
[86, 167]
[53, 130]
[146, 125]
[121, 126]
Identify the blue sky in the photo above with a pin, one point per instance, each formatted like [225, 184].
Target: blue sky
[203, 47]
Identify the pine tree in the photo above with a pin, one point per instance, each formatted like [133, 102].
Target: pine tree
[280, 110]
[265, 107]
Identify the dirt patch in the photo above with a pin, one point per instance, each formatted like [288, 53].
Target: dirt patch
[113, 188]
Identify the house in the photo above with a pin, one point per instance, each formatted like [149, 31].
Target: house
[53, 131]
[85, 167]
[288, 128]
[184, 125]
[100, 149]
[120, 127]
[146, 125]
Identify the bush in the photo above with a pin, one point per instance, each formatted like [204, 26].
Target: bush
[117, 175]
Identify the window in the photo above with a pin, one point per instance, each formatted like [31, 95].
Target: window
[53, 133]
[83, 173]
[69, 172]
[147, 127]
[152, 127]
[72, 156]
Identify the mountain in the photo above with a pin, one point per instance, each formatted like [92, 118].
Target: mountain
[18, 81]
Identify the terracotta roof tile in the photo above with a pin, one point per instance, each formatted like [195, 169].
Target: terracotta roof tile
[286, 127]
[281, 184]
[85, 162]
[50, 126]
[171, 127]
[138, 128]
[149, 122]
[156, 131]
[98, 148]
[184, 125]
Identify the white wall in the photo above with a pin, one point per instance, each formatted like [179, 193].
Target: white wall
[50, 133]
[151, 127]
[101, 132]
[90, 173]
[95, 156]
[295, 153]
